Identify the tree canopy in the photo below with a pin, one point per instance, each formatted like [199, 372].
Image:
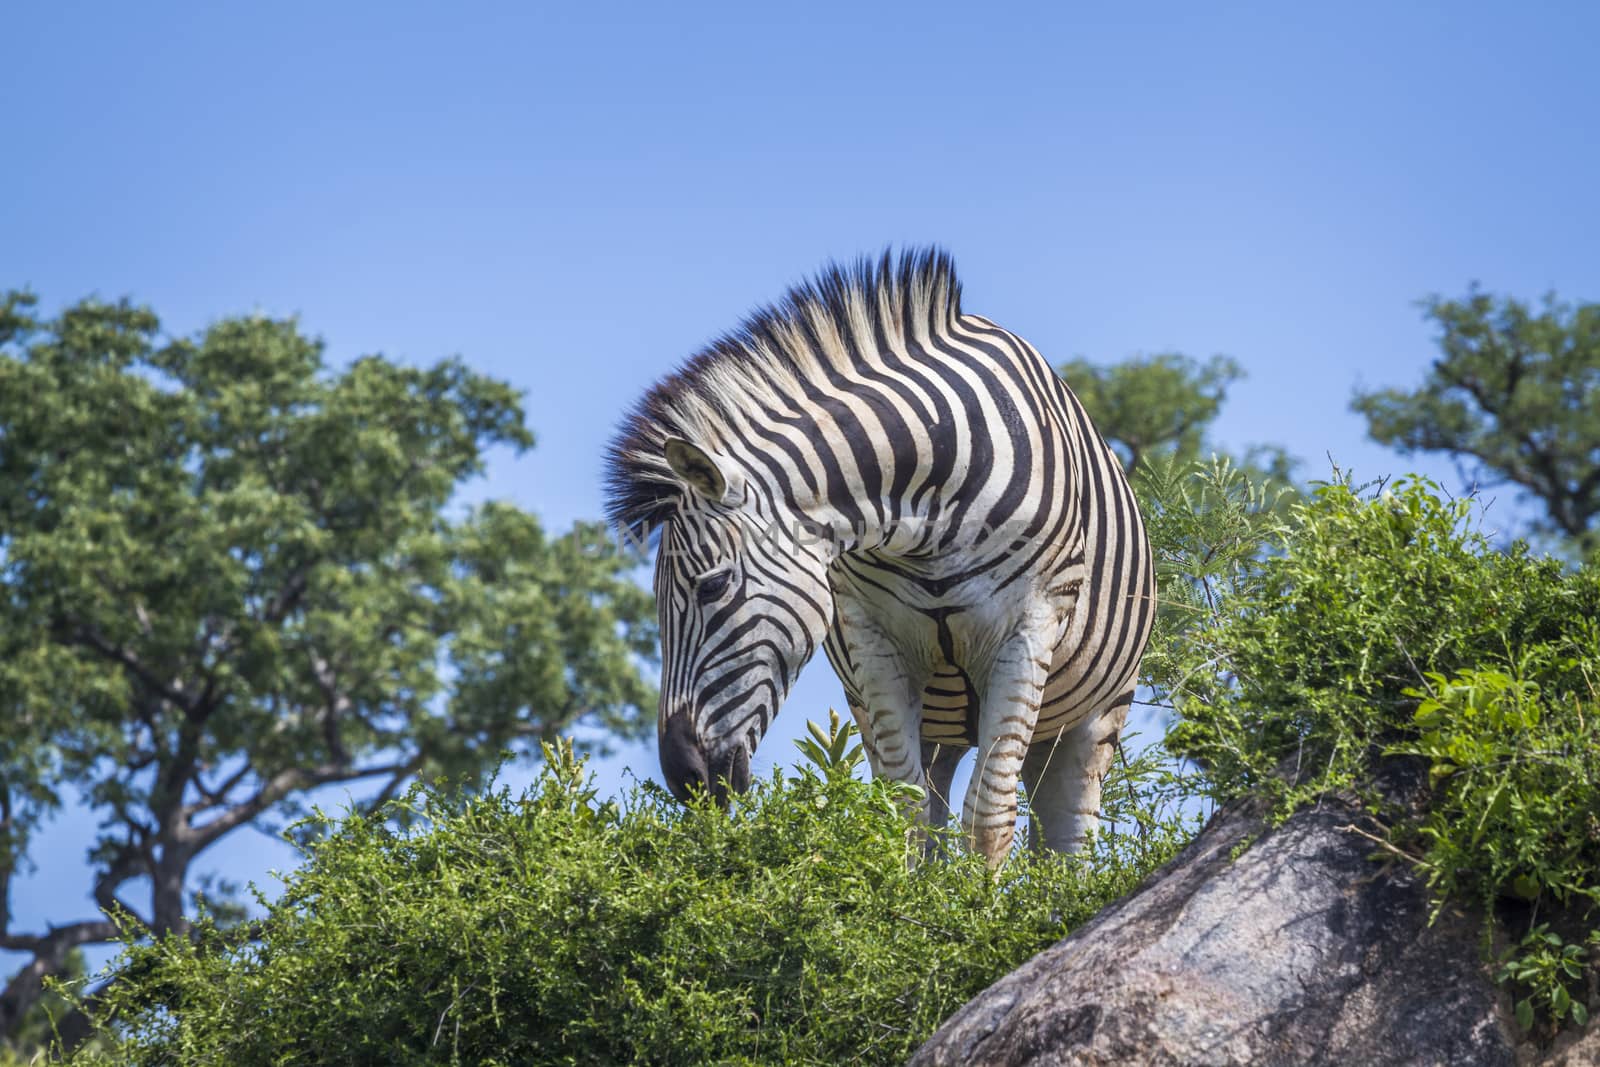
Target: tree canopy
[1514, 398]
[230, 574]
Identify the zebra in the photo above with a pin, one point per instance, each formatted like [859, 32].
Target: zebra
[864, 466]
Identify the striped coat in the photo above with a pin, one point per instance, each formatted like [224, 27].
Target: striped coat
[866, 467]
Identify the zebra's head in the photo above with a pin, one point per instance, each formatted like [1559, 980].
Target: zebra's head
[743, 605]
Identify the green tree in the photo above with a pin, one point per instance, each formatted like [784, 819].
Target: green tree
[230, 574]
[1164, 405]
[1514, 398]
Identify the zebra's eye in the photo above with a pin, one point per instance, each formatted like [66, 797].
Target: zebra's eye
[712, 586]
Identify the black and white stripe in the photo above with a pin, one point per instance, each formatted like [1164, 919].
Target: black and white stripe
[969, 552]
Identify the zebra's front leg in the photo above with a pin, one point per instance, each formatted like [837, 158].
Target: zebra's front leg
[1009, 707]
[889, 689]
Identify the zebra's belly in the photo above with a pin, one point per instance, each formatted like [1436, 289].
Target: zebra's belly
[950, 705]
[949, 636]
[1079, 683]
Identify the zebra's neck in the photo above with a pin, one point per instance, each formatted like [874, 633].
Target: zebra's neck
[843, 523]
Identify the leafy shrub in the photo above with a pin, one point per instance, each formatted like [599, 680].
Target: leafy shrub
[1389, 626]
[558, 928]
[1304, 676]
[1518, 810]
[1211, 524]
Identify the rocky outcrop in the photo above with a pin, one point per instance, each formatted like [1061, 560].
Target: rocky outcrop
[1299, 949]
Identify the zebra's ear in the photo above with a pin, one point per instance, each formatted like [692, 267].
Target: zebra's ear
[696, 467]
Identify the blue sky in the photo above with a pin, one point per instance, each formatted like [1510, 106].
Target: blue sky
[575, 201]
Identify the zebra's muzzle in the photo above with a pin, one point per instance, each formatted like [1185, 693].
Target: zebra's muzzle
[735, 774]
[687, 770]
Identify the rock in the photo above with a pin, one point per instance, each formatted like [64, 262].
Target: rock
[1584, 1051]
[1302, 950]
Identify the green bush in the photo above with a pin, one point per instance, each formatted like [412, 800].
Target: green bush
[1517, 811]
[1306, 673]
[1389, 626]
[559, 928]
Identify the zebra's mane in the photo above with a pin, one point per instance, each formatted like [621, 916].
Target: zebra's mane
[818, 326]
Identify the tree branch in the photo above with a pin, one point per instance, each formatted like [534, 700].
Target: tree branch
[218, 796]
[86, 636]
[65, 937]
[289, 781]
[130, 862]
[288, 597]
[392, 786]
[336, 704]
